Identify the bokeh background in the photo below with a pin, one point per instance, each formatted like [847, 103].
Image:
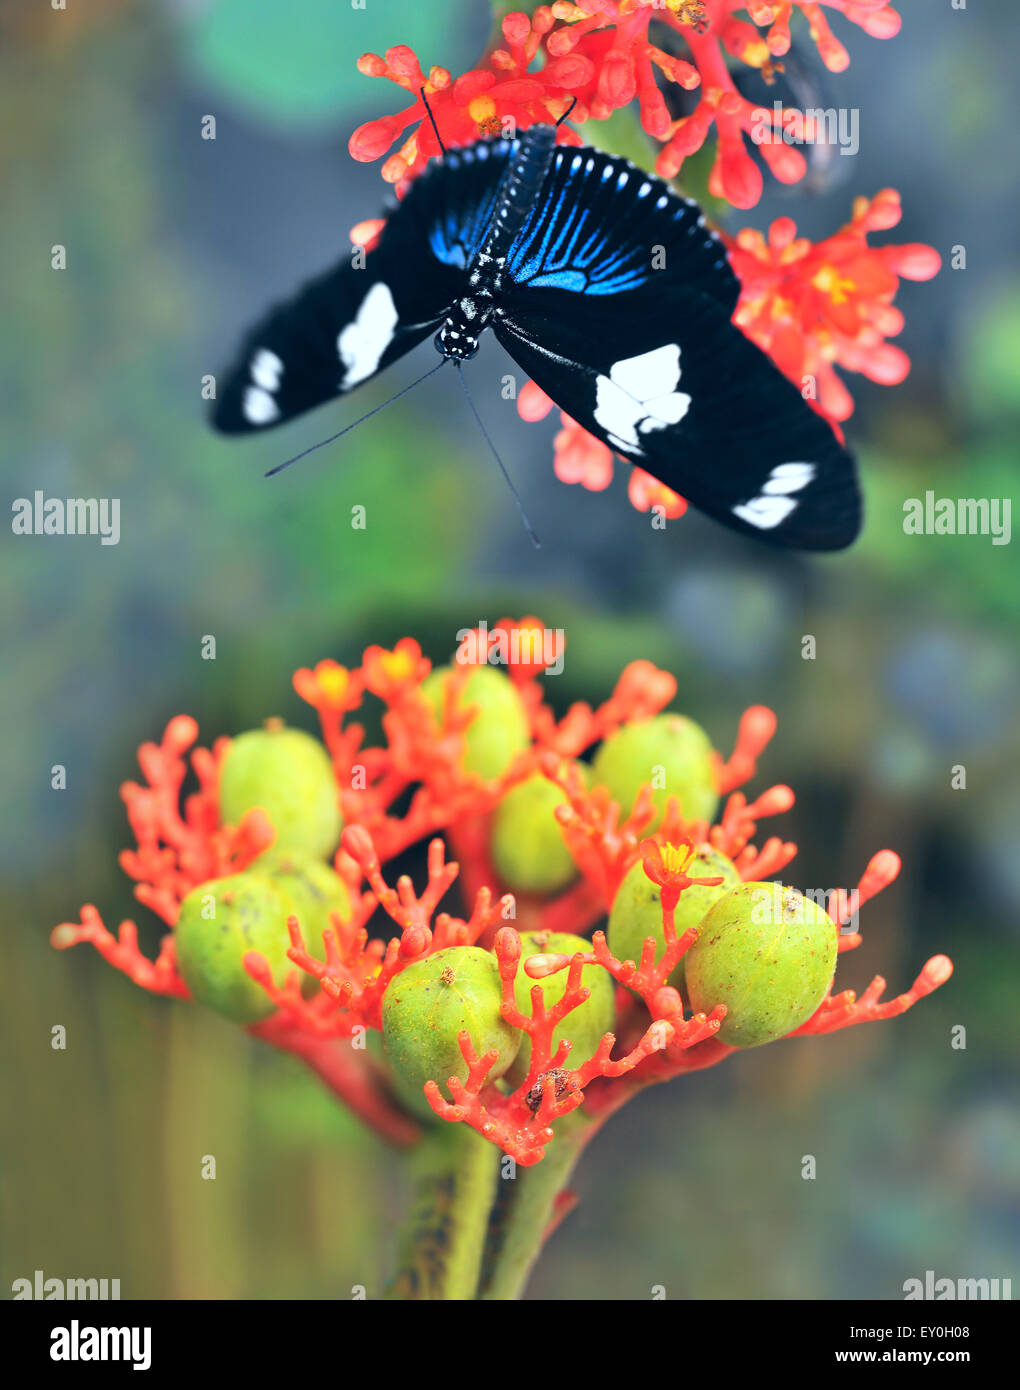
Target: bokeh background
[174, 244]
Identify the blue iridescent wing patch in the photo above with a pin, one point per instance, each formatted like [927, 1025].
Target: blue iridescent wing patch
[604, 227]
[461, 199]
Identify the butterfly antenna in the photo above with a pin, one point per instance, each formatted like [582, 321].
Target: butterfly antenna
[509, 481]
[347, 428]
[573, 103]
[428, 108]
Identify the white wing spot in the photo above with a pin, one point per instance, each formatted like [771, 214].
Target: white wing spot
[266, 369]
[259, 407]
[362, 343]
[788, 477]
[640, 396]
[774, 504]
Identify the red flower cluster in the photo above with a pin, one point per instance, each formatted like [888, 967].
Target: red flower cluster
[813, 306]
[599, 52]
[412, 786]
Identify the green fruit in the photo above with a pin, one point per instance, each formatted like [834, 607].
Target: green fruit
[219, 922]
[586, 1025]
[668, 750]
[316, 891]
[499, 729]
[527, 841]
[637, 908]
[768, 954]
[290, 776]
[313, 887]
[428, 1004]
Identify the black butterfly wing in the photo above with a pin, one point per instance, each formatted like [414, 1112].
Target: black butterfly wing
[665, 379]
[347, 325]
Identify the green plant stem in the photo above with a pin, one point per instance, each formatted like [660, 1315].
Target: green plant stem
[455, 1174]
[525, 1209]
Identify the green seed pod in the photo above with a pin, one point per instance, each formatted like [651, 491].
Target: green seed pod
[637, 908]
[499, 729]
[220, 921]
[670, 752]
[316, 892]
[767, 953]
[527, 841]
[427, 1005]
[290, 776]
[585, 1025]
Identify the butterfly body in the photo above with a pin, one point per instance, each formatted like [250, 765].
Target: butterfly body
[609, 290]
[519, 185]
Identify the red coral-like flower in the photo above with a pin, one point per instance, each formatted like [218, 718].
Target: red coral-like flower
[600, 54]
[667, 865]
[814, 306]
[646, 493]
[178, 848]
[657, 1046]
[392, 674]
[413, 787]
[481, 102]
[578, 457]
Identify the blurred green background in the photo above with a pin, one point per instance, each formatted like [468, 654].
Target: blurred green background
[174, 243]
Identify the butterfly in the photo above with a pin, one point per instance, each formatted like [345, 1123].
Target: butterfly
[609, 290]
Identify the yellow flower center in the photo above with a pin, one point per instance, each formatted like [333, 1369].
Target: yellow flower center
[675, 858]
[397, 665]
[481, 109]
[332, 680]
[690, 12]
[836, 286]
[568, 13]
[756, 55]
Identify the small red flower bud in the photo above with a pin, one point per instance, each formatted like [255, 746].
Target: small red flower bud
[373, 139]
[516, 27]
